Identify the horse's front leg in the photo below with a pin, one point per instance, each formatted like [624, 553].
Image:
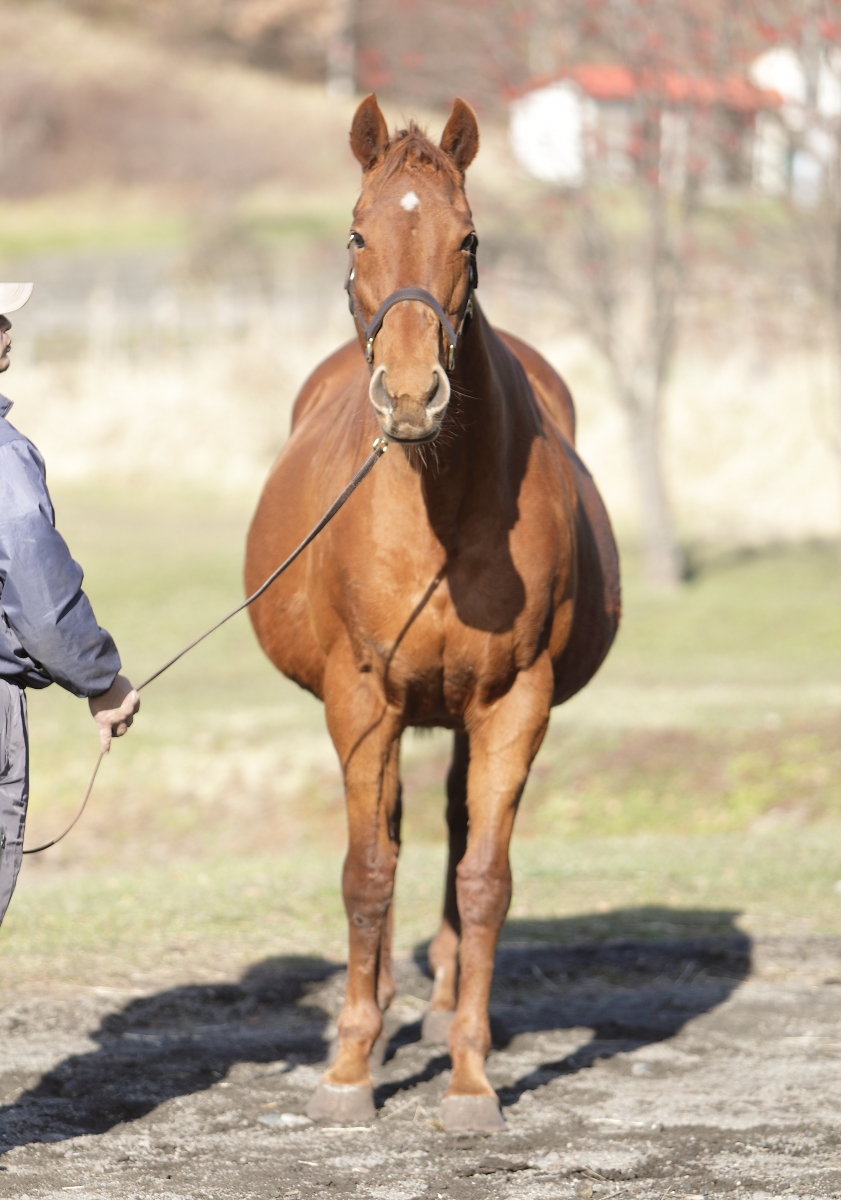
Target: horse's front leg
[504, 739]
[366, 733]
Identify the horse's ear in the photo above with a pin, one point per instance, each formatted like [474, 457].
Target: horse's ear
[460, 138]
[368, 133]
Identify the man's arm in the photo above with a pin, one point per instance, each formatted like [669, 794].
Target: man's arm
[42, 598]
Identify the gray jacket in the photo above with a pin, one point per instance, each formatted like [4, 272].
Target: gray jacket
[48, 633]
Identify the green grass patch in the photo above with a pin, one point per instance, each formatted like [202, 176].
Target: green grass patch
[587, 783]
[216, 917]
[94, 220]
[761, 615]
[216, 832]
[108, 220]
[716, 708]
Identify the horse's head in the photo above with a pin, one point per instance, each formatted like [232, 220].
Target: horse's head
[412, 228]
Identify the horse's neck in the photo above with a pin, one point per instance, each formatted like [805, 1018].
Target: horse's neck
[469, 463]
[485, 406]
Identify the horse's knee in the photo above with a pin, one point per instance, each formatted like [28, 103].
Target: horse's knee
[368, 887]
[484, 891]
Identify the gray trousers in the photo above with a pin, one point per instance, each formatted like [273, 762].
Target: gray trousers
[14, 786]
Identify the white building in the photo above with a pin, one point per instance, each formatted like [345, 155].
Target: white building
[800, 142]
[582, 126]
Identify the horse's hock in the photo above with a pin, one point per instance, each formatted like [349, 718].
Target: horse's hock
[471, 583]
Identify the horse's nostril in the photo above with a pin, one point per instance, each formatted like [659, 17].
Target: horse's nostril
[434, 392]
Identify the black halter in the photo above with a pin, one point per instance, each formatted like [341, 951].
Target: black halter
[372, 328]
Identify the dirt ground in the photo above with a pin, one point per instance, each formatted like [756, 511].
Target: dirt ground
[701, 1066]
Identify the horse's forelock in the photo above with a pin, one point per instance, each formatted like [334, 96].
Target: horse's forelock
[412, 148]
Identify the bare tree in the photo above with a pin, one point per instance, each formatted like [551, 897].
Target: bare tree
[812, 30]
[629, 244]
[630, 310]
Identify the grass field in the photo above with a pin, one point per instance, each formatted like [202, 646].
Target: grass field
[698, 777]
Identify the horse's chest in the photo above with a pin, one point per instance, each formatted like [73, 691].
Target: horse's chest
[457, 635]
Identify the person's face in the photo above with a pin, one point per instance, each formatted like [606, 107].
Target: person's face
[5, 342]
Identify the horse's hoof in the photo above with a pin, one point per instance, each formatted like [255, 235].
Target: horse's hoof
[345, 1104]
[436, 1026]
[471, 1114]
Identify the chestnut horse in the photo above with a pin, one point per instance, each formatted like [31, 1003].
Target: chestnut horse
[471, 583]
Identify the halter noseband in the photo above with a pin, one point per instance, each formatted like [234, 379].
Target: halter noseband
[372, 328]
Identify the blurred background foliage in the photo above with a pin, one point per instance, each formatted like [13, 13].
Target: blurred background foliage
[175, 176]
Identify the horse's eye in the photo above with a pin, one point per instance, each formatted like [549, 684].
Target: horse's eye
[470, 243]
[357, 240]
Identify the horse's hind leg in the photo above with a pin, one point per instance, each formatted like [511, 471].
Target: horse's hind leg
[443, 952]
[385, 975]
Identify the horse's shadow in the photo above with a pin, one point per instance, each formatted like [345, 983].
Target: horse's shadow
[634, 977]
[176, 1043]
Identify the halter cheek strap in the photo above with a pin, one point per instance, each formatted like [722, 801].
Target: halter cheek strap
[372, 328]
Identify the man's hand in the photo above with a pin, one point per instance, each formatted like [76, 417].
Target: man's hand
[114, 710]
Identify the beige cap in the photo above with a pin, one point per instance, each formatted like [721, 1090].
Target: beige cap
[13, 296]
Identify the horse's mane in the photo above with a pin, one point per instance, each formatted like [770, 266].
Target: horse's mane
[412, 148]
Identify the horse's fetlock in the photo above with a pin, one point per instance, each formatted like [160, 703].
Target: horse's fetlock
[470, 1035]
[362, 1023]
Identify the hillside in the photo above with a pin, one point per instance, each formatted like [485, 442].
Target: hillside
[160, 195]
[112, 136]
[82, 102]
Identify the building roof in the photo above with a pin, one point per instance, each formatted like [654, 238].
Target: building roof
[613, 82]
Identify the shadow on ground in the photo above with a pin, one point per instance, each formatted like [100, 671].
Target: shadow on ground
[634, 977]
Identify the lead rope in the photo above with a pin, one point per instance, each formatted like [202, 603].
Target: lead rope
[380, 447]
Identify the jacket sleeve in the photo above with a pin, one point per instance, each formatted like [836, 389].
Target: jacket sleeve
[42, 598]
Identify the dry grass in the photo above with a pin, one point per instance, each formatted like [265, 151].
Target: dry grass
[175, 318]
[84, 102]
[698, 771]
[715, 707]
[90, 103]
[101, 370]
[204, 920]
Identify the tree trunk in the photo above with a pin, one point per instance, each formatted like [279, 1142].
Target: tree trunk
[835, 303]
[835, 430]
[662, 559]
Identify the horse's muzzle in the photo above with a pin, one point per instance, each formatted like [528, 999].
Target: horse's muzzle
[410, 418]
